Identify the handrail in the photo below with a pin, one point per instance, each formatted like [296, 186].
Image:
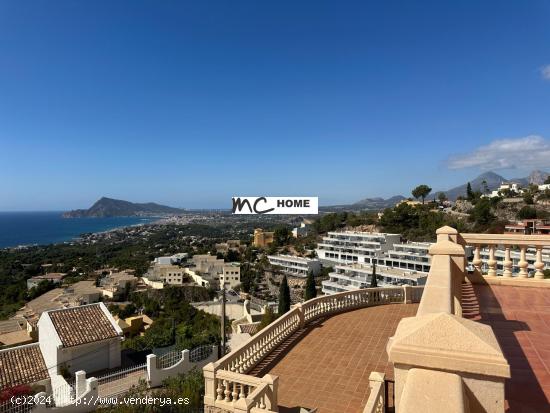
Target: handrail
[376, 402]
[498, 239]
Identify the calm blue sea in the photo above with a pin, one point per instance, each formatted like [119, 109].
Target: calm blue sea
[29, 228]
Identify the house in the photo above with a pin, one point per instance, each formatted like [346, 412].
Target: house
[229, 245]
[80, 338]
[300, 231]
[54, 277]
[262, 238]
[13, 332]
[117, 284]
[23, 365]
[208, 270]
[528, 227]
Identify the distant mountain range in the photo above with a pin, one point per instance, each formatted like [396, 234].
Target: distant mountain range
[108, 207]
[493, 181]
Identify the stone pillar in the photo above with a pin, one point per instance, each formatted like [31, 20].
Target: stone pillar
[539, 264]
[273, 382]
[80, 383]
[507, 264]
[439, 342]
[209, 385]
[152, 370]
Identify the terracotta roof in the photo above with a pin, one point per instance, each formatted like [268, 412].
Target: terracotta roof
[22, 365]
[251, 328]
[81, 325]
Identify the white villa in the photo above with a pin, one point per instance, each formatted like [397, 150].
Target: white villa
[208, 270]
[296, 266]
[354, 247]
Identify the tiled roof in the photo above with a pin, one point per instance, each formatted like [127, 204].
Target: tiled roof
[251, 328]
[81, 325]
[22, 365]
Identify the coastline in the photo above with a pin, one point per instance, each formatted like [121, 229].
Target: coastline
[19, 230]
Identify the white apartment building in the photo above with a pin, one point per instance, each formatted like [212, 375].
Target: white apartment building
[357, 276]
[167, 273]
[354, 247]
[296, 266]
[408, 256]
[515, 257]
[208, 270]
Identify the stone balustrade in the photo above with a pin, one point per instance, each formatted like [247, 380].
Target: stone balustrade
[455, 364]
[509, 242]
[229, 388]
[376, 402]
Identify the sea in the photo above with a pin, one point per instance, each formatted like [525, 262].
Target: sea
[40, 228]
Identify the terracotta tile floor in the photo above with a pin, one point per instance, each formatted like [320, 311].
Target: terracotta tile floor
[520, 318]
[327, 366]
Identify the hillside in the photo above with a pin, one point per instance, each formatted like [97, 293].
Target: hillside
[108, 207]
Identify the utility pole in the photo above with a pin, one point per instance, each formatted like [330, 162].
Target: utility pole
[223, 321]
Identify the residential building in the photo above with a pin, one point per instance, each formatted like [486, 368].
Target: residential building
[352, 277]
[354, 247]
[300, 231]
[262, 238]
[505, 188]
[80, 338]
[23, 365]
[167, 273]
[117, 284]
[295, 266]
[54, 277]
[172, 259]
[409, 256]
[529, 227]
[229, 245]
[13, 332]
[210, 271]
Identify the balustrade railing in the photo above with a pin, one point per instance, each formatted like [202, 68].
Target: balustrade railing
[510, 243]
[227, 381]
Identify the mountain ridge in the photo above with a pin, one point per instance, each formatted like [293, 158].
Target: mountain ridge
[109, 207]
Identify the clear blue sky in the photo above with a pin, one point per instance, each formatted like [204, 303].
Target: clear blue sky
[189, 103]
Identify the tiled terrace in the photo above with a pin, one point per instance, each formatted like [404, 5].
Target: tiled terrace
[327, 365]
[520, 318]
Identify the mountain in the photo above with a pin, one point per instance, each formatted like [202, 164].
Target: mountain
[378, 203]
[492, 179]
[108, 207]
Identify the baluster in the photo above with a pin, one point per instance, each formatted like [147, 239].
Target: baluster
[235, 393]
[492, 262]
[227, 391]
[477, 258]
[507, 264]
[242, 394]
[523, 263]
[262, 402]
[219, 390]
[539, 264]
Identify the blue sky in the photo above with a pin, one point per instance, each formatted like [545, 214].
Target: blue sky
[189, 103]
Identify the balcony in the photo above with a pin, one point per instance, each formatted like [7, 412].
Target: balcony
[466, 342]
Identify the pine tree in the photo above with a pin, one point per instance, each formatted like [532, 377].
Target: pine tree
[311, 290]
[284, 297]
[373, 282]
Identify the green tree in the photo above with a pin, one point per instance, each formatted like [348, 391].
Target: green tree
[528, 198]
[421, 191]
[311, 289]
[527, 212]
[373, 280]
[442, 197]
[284, 297]
[267, 318]
[282, 236]
[469, 192]
[481, 213]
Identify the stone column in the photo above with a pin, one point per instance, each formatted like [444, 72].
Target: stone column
[210, 390]
[80, 383]
[407, 294]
